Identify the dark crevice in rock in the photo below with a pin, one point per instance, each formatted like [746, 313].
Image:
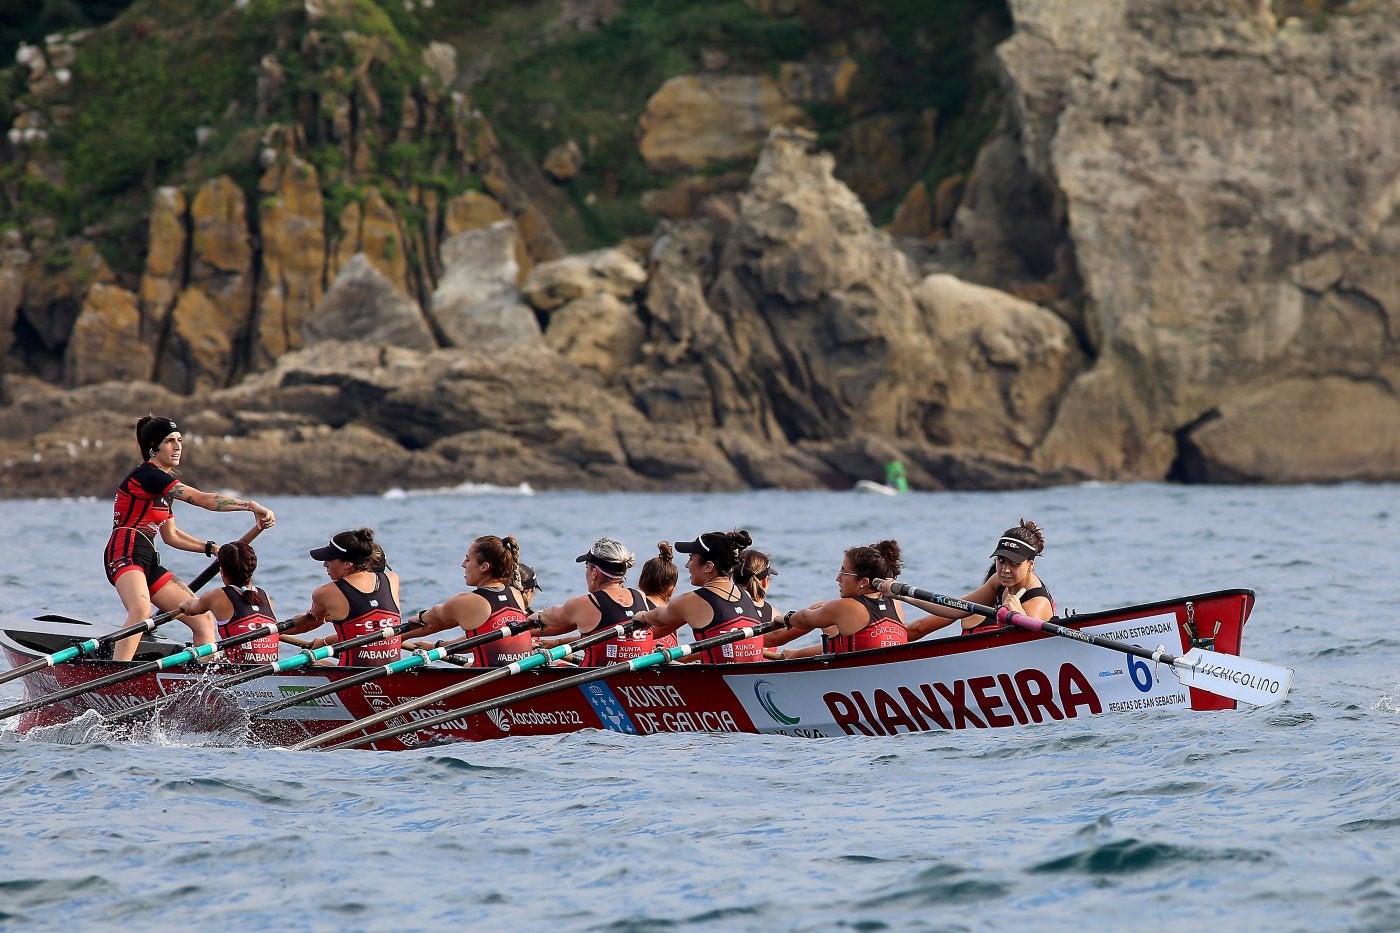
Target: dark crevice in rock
[1190, 465]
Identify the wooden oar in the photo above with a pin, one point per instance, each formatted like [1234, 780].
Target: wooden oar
[85, 648]
[146, 667]
[664, 656]
[416, 659]
[540, 658]
[1254, 682]
[272, 667]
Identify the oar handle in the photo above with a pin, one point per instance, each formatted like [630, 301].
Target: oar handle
[663, 656]
[374, 673]
[1021, 620]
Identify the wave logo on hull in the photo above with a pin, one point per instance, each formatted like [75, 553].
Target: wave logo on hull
[764, 690]
[498, 716]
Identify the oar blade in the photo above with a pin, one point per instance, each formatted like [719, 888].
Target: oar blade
[1245, 679]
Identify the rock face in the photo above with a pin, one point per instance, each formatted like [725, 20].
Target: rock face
[165, 260]
[14, 263]
[795, 347]
[362, 304]
[217, 305]
[292, 221]
[106, 343]
[694, 120]
[477, 303]
[1231, 193]
[1191, 213]
[819, 307]
[1001, 366]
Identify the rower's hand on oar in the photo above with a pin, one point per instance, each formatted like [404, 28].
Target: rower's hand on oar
[882, 584]
[263, 514]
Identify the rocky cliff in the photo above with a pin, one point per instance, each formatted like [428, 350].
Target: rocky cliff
[1175, 257]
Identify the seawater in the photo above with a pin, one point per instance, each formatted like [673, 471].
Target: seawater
[1284, 819]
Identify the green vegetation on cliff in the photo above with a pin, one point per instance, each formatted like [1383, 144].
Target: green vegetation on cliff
[177, 91]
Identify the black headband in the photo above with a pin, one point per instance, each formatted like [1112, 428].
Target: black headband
[153, 432]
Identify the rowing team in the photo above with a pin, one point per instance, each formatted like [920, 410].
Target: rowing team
[730, 580]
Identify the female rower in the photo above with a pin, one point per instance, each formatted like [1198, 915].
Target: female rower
[493, 603]
[360, 598]
[1011, 582]
[527, 584]
[861, 619]
[657, 582]
[239, 606]
[143, 507]
[607, 602]
[717, 604]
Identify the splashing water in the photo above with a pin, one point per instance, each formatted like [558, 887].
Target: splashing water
[203, 715]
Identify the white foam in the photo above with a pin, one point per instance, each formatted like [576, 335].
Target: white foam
[462, 489]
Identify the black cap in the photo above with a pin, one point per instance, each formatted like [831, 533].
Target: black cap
[609, 556]
[698, 546]
[331, 551]
[527, 578]
[1015, 550]
[611, 566]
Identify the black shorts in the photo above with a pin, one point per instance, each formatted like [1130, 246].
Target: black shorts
[128, 550]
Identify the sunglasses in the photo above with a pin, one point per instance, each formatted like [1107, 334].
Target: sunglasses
[765, 573]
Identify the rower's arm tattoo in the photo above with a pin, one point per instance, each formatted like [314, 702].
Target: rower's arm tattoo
[182, 492]
[229, 503]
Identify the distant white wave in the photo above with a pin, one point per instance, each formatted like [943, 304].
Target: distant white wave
[463, 489]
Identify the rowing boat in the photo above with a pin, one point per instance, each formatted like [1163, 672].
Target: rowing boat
[1007, 678]
[1013, 677]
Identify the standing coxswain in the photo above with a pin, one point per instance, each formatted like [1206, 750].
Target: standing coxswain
[143, 507]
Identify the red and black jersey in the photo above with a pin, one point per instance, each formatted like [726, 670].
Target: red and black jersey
[634, 644]
[251, 609]
[883, 630]
[143, 500]
[505, 609]
[369, 612]
[729, 615]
